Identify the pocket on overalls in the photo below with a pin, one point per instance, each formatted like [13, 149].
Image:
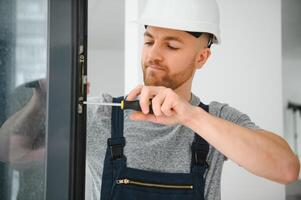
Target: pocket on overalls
[155, 188]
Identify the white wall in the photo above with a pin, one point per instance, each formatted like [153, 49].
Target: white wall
[106, 46]
[106, 71]
[133, 41]
[244, 71]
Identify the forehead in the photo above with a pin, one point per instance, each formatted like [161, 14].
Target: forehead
[165, 33]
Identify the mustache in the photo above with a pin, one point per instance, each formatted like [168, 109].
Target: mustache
[156, 66]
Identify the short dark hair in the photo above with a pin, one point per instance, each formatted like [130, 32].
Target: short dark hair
[197, 35]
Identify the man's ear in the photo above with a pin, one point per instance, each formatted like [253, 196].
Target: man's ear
[202, 57]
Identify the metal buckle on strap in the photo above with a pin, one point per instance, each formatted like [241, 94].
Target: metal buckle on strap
[199, 158]
[116, 151]
[116, 147]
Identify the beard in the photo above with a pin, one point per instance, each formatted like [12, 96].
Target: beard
[163, 77]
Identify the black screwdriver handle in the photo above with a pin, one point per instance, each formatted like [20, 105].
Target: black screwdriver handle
[135, 105]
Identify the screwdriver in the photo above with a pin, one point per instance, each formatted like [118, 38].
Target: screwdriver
[124, 105]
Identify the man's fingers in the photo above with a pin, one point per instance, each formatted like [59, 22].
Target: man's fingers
[167, 105]
[134, 93]
[157, 102]
[145, 96]
[147, 93]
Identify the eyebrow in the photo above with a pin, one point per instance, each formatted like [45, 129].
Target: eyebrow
[147, 34]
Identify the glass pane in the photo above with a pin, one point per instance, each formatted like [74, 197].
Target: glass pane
[23, 83]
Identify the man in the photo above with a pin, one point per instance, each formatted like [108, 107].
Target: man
[177, 42]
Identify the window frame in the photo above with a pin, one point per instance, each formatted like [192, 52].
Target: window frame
[66, 115]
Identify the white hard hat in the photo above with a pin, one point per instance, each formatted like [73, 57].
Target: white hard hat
[186, 15]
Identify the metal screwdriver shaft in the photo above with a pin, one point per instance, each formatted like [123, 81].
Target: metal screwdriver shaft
[133, 105]
[102, 103]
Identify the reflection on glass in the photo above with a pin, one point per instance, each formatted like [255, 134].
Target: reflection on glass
[31, 40]
[23, 83]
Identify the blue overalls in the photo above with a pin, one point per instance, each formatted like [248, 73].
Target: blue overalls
[120, 182]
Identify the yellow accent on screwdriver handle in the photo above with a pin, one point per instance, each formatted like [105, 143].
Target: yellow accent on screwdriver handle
[122, 105]
[134, 105]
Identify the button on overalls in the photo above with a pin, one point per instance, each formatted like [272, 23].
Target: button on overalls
[120, 182]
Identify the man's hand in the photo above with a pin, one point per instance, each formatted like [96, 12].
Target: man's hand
[168, 107]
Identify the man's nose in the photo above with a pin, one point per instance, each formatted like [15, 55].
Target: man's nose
[155, 53]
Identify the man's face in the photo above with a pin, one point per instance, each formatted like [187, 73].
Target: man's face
[169, 57]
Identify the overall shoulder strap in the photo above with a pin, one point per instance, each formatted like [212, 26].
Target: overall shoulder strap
[117, 141]
[204, 106]
[114, 158]
[199, 148]
[117, 119]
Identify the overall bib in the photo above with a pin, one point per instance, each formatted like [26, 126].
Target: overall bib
[120, 182]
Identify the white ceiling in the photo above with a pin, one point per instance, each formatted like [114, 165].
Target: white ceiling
[106, 24]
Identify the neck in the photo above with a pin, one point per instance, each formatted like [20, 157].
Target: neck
[184, 90]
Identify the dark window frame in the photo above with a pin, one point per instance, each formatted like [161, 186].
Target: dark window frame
[7, 66]
[66, 116]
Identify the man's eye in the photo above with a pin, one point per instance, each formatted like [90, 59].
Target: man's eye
[148, 43]
[172, 47]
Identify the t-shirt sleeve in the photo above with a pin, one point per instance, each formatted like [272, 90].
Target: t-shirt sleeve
[231, 114]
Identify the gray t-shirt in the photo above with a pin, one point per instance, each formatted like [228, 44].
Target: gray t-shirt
[154, 147]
